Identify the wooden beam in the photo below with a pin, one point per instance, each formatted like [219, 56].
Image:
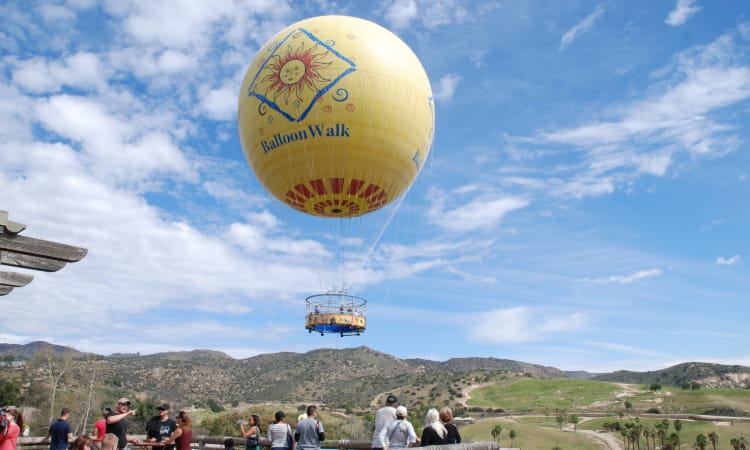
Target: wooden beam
[38, 247]
[15, 279]
[31, 262]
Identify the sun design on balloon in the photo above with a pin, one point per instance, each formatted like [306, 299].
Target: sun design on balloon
[294, 73]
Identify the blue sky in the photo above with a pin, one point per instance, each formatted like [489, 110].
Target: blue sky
[584, 205]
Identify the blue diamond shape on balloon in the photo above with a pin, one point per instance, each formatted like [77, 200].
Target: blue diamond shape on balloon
[299, 70]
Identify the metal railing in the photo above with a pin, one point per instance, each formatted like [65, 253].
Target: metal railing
[204, 442]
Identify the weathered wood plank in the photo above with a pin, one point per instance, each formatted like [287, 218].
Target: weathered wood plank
[15, 279]
[39, 247]
[13, 227]
[31, 262]
[5, 289]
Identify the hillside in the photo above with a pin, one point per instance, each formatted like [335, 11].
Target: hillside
[707, 375]
[347, 378]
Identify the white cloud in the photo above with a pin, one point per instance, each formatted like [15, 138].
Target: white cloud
[521, 324]
[446, 88]
[624, 348]
[721, 261]
[649, 135]
[682, 12]
[581, 28]
[400, 13]
[627, 279]
[220, 104]
[39, 75]
[483, 212]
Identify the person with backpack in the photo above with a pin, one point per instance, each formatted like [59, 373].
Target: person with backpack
[280, 433]
[11, 422]
[399, 432]
[310, 432]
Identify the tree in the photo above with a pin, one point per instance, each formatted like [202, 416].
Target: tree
[714, 438]
[654, 386]
[574, 420]
[54, 367]
[10, 390]
[701, 441]
[512, 435]
[677, 427]
[496, 430]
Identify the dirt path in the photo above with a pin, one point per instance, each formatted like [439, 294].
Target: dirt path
[467, 392]
[607, 440]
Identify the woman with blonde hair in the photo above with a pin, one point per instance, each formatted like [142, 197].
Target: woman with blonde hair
[183, 434]
[15, 423]
[446, 415]
[434, 432]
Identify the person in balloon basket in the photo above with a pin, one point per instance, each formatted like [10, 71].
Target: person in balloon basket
[310, 433]
[117, 423]
[383, 417]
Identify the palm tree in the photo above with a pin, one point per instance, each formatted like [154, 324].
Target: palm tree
[714, 438]
[743, 443]
[496, 430]
[661, 430]
[701, 441]
[512, 436]
[677, 427]
[735, 443]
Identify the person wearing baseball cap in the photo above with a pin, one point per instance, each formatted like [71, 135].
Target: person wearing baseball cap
[383, 417]
[117, 422]
[161, 427]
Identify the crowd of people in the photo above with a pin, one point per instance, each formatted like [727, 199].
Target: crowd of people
[393, 430]
[109, 433]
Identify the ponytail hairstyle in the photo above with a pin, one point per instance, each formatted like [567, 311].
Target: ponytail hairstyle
[16, 415]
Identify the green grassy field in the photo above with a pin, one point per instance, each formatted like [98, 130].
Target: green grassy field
[530, 436]
[690, 429]
[596, 396]
[526, 394]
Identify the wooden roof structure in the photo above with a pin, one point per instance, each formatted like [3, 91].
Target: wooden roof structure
[30, 253]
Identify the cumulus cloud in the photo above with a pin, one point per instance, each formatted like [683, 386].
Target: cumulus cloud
[627, 279]
[581, 28]
[521, 324]
[721, 261]
[402, 14]
[446, 88]
[682, 12]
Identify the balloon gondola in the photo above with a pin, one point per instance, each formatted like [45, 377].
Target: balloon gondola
[337, 313]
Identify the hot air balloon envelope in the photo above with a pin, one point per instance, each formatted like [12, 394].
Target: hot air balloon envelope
[336, 116]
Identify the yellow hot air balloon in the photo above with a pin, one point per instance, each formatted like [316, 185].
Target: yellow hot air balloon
[336, 116]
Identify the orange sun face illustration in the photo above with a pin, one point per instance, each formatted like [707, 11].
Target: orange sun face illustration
[295, 73]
